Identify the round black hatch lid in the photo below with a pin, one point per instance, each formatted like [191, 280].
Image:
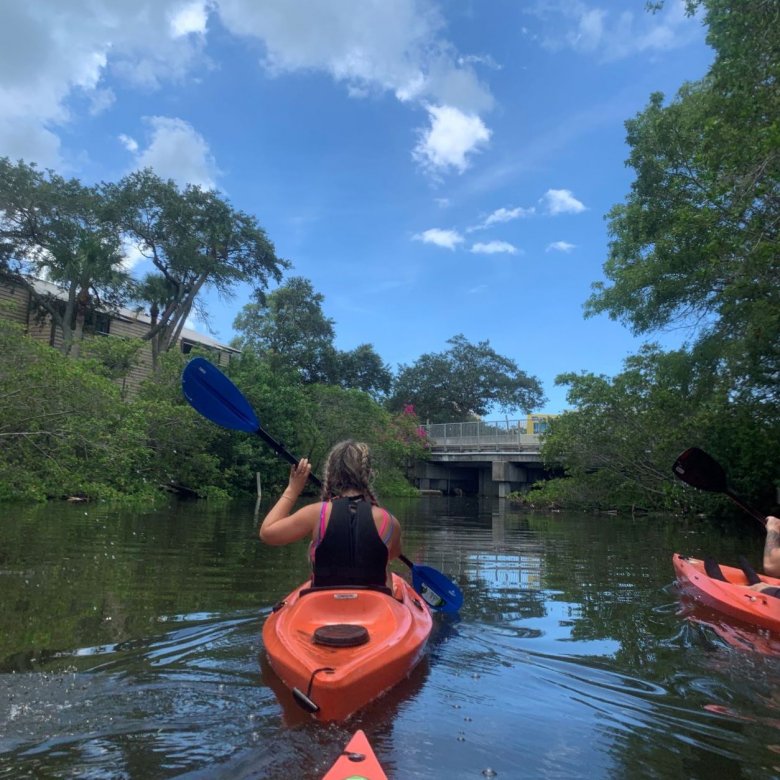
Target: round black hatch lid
[341, 635]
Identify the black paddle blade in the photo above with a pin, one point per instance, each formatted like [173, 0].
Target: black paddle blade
[700, 470]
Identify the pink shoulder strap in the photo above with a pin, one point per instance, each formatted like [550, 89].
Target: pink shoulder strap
[386, 529]
[323, 518]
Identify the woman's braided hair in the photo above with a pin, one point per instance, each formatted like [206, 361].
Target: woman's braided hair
[348, 470]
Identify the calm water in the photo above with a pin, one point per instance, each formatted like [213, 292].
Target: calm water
[130, 648]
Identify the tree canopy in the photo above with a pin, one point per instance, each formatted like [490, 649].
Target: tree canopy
[196, 240]
[696, 243]
[290, 330]
[695, 246]
[58, 229]
[463, 382]
[74, 236]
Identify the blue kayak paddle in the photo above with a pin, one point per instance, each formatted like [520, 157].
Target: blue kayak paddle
[213, 395]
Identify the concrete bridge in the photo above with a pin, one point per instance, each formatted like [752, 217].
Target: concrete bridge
[482, 458]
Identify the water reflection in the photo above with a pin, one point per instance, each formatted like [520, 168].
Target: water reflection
[130, 646]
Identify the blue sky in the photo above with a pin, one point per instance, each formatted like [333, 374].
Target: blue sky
[432, 168]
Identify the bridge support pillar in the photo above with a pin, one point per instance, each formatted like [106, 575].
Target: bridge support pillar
[494, 474]
[504, 473]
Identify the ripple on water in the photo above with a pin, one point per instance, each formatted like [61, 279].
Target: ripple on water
[489, 679]
[190, 696]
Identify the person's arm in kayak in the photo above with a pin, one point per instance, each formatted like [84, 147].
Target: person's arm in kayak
[772, 547]
[281, 525]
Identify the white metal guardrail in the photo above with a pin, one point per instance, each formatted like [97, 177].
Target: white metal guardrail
[501, 434]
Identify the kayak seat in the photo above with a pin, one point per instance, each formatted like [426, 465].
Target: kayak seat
[713, 570]
[750, 574]
[341, 635]
[314, 589]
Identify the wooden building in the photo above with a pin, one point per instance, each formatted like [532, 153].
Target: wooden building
[18, 305]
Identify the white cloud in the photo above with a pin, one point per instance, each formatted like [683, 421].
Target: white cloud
[377, 46]
[450, 139]
[448, 239]
[507, 215]
[479, 59]
[560, 246]
[395, 46]
[442, 203]
[501, 215]
[177, 151]
[188, 19]
[132, 255]
[611, 36]
[26, 138]
[494, 247]
[561, 202]
[101, 100]
[54, 55]
[128, 142]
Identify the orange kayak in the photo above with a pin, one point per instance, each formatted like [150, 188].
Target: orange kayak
[357, 762]
[733, 597]
[337, 649]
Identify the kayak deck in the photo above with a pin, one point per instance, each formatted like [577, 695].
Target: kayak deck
[732, 597]
[357, 762]
[338, 649]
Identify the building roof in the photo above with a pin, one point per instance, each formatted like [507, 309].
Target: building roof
[136, 315]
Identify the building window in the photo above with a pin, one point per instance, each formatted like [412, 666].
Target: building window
[97, 322]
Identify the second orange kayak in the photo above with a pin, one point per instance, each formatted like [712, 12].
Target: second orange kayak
[732, 597]
[337, 649]
[357, 762]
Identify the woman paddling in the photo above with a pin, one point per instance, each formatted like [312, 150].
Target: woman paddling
[352, 537]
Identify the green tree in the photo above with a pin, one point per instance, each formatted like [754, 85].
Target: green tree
[196, 241]
[289, 329]
[64, 430]
[363, 369]
[619, 445]
[696, 242]
[339, 414]
[114, 357]
[57, 228]
[464, 382]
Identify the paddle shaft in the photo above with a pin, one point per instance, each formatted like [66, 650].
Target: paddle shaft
[280, 449]
[754, 513]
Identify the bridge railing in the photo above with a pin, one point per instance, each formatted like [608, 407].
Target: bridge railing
[509, 434]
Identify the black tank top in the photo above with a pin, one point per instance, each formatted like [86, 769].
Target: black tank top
[351, 552]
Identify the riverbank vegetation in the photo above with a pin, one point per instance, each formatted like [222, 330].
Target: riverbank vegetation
[68, 425]
[693, 248]
[66, 432]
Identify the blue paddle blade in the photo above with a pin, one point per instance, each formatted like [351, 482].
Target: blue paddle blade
[212, 394]
[441, 593]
